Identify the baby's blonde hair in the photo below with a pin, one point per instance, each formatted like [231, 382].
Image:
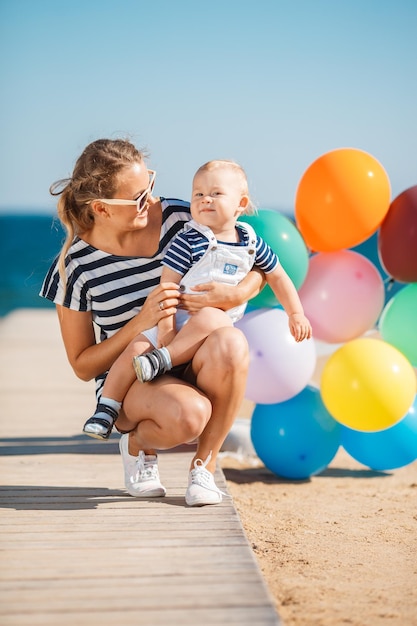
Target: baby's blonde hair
[237, 169]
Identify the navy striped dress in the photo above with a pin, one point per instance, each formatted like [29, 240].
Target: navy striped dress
[113, 288]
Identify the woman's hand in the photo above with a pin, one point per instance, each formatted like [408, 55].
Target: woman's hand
[160, 303]
[217, 295]
[221, 295]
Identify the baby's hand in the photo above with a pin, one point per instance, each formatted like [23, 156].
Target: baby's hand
[300, 327]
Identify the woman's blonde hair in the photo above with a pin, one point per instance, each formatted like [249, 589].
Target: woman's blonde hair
[250, 209]
[94, 176]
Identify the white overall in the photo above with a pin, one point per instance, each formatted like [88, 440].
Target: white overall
[221, 262]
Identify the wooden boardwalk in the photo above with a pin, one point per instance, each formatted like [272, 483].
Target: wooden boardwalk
[75, 548]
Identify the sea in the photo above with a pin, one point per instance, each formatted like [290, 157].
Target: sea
[29, 242]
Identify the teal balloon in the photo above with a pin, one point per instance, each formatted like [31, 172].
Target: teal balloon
[386, 449]
[295, 439]
[398, 322]
[287, 242]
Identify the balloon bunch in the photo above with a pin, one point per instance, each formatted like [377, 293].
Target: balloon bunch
[366, 399]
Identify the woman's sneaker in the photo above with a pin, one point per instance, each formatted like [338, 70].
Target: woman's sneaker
[202, 489]
[141, 472]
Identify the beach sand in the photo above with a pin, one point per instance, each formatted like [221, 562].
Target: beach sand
[339, 548]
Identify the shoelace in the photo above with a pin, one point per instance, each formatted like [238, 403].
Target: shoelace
[146, 469]
[202, 477]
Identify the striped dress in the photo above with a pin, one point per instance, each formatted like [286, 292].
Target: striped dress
[113, 288]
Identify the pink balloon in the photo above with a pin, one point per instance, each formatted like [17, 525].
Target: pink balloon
[279, 366]
[342, 295]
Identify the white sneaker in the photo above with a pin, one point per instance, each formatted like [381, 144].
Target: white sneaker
[201, 486]
[141, 472]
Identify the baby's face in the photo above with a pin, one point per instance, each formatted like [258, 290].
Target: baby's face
[217, 199]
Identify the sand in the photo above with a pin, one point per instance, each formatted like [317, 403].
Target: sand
[338, 548]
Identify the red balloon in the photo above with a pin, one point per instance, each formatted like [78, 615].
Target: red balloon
[397, 238]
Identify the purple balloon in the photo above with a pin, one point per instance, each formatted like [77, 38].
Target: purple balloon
[279, 366]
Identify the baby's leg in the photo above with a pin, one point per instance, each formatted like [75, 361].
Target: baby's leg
[193, 334]
[119, 379]
[121, 375]
[184, 345]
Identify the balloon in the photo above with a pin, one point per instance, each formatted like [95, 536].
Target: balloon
[279, 366]
[397, 237]
[398, 322]
[286, 241]
[341, 199]
[368, 385]
[296, 438]
[342, 295]
[387, 449]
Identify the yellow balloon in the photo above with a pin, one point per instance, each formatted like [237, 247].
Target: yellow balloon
[368, 385]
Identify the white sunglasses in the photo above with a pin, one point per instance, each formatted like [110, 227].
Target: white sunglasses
[141, 201]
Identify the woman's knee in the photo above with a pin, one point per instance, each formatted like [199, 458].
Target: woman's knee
[224, 354]
[228, 346]
[191, 415]
[181, 413]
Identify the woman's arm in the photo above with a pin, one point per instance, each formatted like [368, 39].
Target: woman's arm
[223, 296]
[88, 358]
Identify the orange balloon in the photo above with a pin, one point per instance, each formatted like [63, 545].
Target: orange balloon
[341, 200]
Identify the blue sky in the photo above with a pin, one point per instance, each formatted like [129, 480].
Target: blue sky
[273, 84]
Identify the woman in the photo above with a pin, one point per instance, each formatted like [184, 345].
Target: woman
[107, 277]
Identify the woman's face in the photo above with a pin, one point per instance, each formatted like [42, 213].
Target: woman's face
[131, 183]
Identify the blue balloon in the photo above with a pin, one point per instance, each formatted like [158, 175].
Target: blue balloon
[385, 449]
[296, 438]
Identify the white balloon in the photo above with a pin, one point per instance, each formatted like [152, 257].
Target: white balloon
[279, 366]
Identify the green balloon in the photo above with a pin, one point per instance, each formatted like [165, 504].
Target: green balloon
[287, 242]
[398, 322]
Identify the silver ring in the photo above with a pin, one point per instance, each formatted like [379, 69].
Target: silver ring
[161, 306]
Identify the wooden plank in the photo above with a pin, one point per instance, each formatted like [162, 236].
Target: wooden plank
[75, 548]
[158, 616]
